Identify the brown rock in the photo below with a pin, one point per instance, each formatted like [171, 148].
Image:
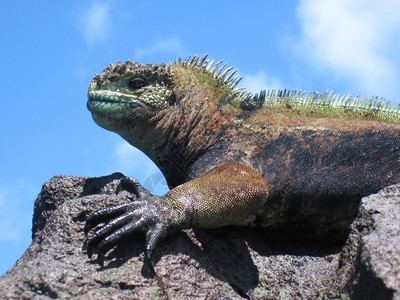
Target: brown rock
[226, 263]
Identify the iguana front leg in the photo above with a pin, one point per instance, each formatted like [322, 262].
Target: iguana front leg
[225, 195]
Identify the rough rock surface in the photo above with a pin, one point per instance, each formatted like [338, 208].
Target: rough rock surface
[227, 263]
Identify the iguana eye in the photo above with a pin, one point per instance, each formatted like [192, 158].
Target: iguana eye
[137, 82]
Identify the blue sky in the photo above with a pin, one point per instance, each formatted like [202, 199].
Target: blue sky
[51, 49]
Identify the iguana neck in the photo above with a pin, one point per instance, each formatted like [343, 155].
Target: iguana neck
[175, 137]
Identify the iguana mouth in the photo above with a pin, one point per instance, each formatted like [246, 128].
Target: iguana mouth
[111, 102]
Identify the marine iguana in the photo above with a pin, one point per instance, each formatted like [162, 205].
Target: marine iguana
[290, 159]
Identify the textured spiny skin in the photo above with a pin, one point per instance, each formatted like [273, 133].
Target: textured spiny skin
[291, 160]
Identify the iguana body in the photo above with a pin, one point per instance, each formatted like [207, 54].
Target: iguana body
[297, 161]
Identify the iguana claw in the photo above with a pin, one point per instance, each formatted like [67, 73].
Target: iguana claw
[112, 223]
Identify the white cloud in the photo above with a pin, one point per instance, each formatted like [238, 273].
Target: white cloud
[357, 40]
[260, 81]
[96, 23]
[166, 45]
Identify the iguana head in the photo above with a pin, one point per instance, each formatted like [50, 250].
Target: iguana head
[129, 90]
[128, 86]
[170, 112]
[145, 103]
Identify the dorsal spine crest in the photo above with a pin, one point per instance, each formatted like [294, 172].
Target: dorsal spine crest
[374, 106]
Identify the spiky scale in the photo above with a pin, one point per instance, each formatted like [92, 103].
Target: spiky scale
[209, 65]
[201, 62]
[216, 66]
[194, 60]
[230, 76]
[222, 76]
[218, 72]
[234, 82]
[185, 62]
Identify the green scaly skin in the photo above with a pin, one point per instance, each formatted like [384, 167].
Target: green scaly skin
[297, 161]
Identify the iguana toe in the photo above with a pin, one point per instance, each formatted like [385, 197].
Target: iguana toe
[110, 224]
